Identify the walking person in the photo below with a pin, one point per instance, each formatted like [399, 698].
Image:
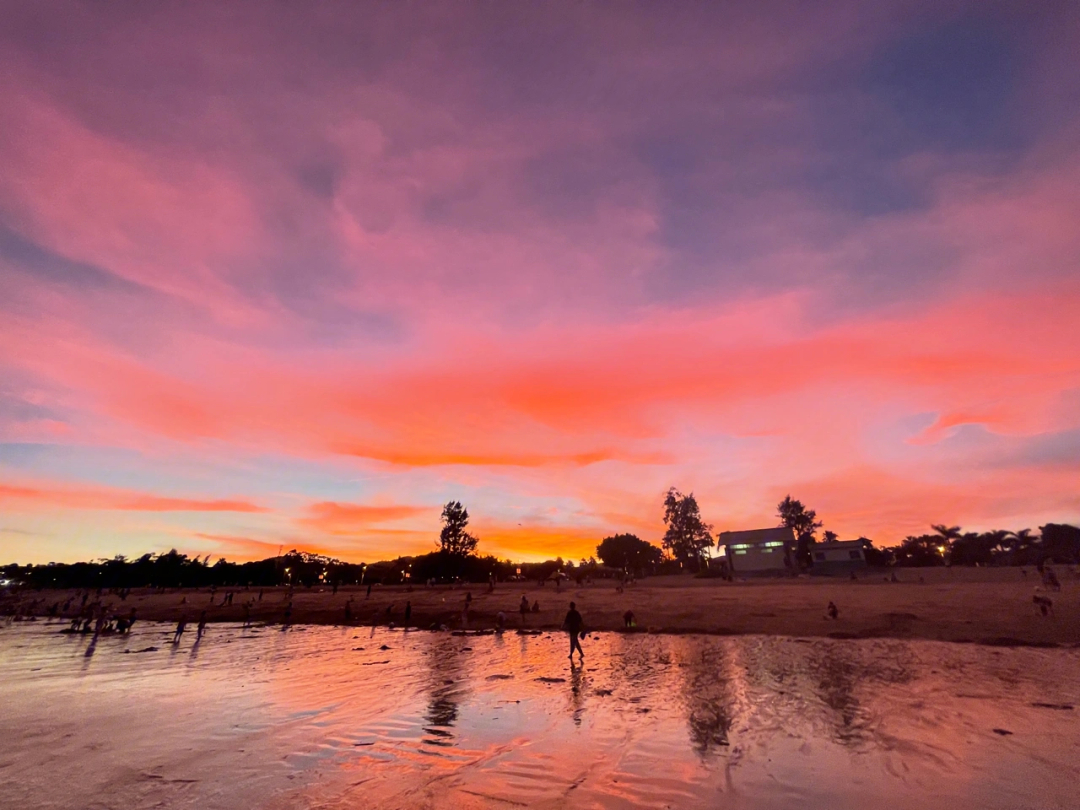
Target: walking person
[408, 613]
[573, 624]
[201, 628]
[523, 608]
[180, 626]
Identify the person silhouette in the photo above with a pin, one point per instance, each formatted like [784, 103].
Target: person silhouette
[180, 627]
[573, 624]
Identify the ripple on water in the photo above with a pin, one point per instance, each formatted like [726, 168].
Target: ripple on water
[316, 719]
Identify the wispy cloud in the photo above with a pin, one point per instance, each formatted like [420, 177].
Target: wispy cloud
[543, 262]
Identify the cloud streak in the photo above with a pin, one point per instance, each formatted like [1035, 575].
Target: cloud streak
[16, 497]
[545, 263]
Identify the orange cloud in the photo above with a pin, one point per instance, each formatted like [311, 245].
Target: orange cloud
[243, 548]
[118, 499]
[331, 517]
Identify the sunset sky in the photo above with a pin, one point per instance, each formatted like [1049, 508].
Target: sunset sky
[297, 274]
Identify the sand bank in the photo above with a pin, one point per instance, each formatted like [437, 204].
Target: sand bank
[960, 605]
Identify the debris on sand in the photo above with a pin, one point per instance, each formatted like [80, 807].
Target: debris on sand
[144, 649]
[1063, 707]
[500, 677]
[1003, 732]
[552, 680]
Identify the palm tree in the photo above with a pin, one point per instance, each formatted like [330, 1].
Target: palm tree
[948, 535]
[1022, 540]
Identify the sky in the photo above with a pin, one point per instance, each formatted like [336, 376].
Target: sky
[295, 275]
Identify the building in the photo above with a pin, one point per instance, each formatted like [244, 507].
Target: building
[838, 558]
[758, 552]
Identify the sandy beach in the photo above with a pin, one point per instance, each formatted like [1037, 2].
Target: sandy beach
[990, 606]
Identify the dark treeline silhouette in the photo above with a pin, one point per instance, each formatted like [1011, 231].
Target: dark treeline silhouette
[685, 549]
[949, 545]
[628, 552]
[299, 569]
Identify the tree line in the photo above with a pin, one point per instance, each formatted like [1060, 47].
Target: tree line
[685, 547]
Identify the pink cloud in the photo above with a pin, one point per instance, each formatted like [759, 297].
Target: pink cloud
[541, 258]
[18, 496]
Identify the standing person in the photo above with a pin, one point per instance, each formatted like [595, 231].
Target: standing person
[523, 608]
[368, 591]
[201, 628]
[247, 614]
[288, 616]
[408, 613]
[573, 624]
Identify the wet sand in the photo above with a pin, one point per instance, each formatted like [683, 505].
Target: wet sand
[964, 605]
[333, 717]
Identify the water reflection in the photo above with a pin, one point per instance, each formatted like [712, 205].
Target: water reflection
[446, 687]
[578, 683]
[835, 678]
[321, 717]
[708, 694]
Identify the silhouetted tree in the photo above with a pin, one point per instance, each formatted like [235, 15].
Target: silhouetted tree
[972, 548]
[797, 517]
[628, 551]
[924, 550]
[830, 536]
[876, 556]
[453, 539]
[1060, 543]
[946, 536]
[1019, 548]
[687, 536]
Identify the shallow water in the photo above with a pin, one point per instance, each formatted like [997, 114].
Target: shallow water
[322, 717]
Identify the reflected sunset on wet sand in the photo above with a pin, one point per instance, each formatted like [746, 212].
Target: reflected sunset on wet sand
[327, 717]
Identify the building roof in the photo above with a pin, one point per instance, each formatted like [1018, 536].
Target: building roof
[838, 544]
[754, 536]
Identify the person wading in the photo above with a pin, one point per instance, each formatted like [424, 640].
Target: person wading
[573, 624]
